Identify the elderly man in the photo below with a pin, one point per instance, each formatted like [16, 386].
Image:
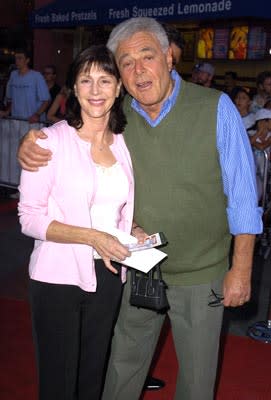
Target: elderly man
[195, 180]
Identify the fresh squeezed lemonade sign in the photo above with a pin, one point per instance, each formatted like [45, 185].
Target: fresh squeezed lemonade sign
[115, 14]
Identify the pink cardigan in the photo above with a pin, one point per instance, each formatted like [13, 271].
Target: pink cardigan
[63, 191]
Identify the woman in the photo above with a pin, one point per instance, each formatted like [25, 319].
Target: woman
[242, 99]
[57, 111]
[68, 206]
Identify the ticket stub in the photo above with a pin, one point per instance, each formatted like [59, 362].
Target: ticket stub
[154, 240]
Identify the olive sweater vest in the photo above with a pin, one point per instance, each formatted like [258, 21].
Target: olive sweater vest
[178, 185]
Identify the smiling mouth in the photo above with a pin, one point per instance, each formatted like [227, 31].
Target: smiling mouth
[96, 102]
[144, 85]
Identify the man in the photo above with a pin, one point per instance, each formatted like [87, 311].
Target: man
[27, 93]
[189, 151]
[176, 43]
[230, 83]
[49, 73]
[204, 74]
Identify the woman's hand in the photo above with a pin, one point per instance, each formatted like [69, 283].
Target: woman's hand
[139, 233]
[109, 248]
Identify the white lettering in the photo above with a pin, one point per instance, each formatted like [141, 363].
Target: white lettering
[42, 19]
[84, 16]
[118, 14]
[201, 8]
[60, 17]
[153, 12]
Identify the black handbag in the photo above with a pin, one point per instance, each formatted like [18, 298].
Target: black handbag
[148, 291]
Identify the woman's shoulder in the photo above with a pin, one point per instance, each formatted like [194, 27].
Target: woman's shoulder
[57, 133]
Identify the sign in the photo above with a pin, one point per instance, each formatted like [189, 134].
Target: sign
[99, 12]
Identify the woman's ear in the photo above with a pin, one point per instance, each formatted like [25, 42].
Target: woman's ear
[75, 90]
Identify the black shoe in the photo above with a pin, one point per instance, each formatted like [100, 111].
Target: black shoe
[152, 383]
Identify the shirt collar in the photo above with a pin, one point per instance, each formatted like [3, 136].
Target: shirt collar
[166, 106]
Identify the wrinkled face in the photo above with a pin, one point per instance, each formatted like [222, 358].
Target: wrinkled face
[96, 91]
[145, 70]
[242, 102]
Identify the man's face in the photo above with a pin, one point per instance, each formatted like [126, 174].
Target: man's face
[145, 70]
[21, 61]
[204, 78]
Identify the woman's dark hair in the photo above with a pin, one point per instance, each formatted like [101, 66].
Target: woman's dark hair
[100, 56]
[240, 89]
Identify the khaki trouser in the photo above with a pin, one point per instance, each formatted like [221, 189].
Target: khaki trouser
[196, 332]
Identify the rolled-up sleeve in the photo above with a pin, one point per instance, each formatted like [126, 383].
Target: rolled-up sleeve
[238, 171]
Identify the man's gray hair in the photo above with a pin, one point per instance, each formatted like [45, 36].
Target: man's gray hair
[128, 28]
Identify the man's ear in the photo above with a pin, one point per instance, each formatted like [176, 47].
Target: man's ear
[118, 88]
[169, 58]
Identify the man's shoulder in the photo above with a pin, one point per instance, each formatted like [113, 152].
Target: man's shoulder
[194, 92]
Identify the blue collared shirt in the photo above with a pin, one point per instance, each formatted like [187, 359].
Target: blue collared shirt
[236, 161]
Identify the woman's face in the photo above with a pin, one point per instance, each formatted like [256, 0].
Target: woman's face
[96, 91]
[242, 102]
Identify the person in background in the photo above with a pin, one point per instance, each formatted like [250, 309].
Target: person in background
[207, 201]
[263, 84]
[242, 99]
[176, 43]
[204, 74]
[194, 74]
[57, 111]
[27, 93]
[49, 73]
[70, 207]
[230, 83]
[260, 139]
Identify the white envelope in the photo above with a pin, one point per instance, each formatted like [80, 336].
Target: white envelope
[143, 260]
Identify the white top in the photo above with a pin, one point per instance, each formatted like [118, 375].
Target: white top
[110, 197]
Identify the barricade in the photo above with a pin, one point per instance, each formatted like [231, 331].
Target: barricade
[11, 132]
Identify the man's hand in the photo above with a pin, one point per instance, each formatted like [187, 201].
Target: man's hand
[4, 114]
[34, 118]
[237, 281]
[30, 155]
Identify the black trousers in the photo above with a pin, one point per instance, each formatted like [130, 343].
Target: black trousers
[72, 332]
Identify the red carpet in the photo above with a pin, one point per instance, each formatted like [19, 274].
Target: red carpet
[245, 371]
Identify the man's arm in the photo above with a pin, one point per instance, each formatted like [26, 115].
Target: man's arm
[30, 155]
[244, 214]
[237, 281]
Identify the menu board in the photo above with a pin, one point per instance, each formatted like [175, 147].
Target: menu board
[189, 47]
[256, 43]
[238, 43]
[205, 43]
[221, 43]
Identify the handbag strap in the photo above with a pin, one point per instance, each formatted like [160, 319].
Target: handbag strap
[150, 274]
